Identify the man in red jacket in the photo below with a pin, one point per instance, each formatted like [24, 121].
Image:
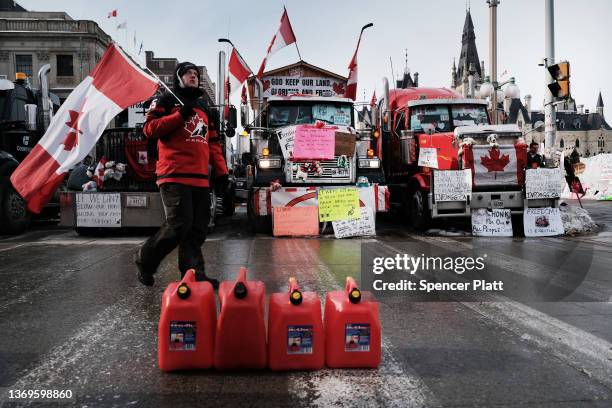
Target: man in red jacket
[188, 140]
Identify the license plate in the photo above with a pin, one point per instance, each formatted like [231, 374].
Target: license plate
[497, 204]
[136, 201]
[339, 173]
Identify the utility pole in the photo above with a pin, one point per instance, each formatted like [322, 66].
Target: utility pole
[550, 117]
[493, 53]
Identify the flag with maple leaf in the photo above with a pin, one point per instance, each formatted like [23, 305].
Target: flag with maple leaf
[501, 165]
[114, 84]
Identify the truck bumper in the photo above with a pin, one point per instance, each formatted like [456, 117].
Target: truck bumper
[512, 200]
[137, 210]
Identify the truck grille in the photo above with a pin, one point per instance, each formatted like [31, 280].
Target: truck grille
[331, 172]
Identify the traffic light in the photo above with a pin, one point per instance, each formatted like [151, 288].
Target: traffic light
[560, 73]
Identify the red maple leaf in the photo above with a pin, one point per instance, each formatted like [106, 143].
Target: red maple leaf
[71, 139]
[494, 162]
[338, 88]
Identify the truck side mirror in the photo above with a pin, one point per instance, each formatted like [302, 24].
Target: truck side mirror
[244, 115]
[232, 117]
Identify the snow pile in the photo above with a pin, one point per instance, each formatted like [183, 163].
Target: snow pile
[596, 178]
[576, 220]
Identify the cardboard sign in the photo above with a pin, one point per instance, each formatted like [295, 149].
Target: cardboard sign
[345, 144]
[314, 143]
[542, 222]
[295, 221]
[98, 210]
[452, 185]
[294, 197]
[428, 157]
[338, 204]
[491, 223]
[543, 183]
[286, 140]
[365, 226]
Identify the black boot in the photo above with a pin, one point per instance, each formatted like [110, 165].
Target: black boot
[145, 277]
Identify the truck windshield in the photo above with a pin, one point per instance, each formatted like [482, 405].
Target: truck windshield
[437, 117]
[298, 114]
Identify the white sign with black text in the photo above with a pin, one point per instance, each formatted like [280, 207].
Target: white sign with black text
[98, 210]
[286, 139]
[364, 226]
[428, 157]
[491, 223]
[543, 222]
[543, 183]
[452, 185]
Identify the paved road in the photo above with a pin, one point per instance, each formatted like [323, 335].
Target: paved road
[72, 316]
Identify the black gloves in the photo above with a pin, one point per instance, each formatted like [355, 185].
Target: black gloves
[187, 110]
[221, 183]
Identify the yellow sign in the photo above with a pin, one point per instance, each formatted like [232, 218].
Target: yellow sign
[337, 204]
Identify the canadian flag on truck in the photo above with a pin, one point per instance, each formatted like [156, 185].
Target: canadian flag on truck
[351, 84]
[238, 71]
[114, 84]
[283, 37]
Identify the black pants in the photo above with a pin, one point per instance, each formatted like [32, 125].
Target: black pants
[187, 211]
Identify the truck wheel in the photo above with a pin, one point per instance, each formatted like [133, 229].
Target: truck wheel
[518, 227]
[259, 224]
[420, 218]
[14, 217]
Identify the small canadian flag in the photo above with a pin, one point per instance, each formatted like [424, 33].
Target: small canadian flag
[112, 13]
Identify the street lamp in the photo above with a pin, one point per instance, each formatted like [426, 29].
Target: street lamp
[494, 91]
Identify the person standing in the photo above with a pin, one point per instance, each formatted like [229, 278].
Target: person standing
[534, 159]
[188, 141]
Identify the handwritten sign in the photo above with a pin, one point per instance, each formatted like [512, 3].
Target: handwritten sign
[295, 221]
[428, 157]
[452, 185]
[543, 183]
[345, 144]
[542, 222]
[365, 226]
[338, 204]
[491, 223]
[314, 143]
[286, 140]
[98, 210]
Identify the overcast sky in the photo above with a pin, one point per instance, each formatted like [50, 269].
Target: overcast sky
[327, 33]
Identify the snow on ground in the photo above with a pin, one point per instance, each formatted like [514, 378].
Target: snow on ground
[576, 220]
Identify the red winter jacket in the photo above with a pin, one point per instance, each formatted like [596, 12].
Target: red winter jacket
[185, 147]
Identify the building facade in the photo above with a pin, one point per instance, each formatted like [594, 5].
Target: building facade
[164, 69]
[470, 68]
[29, 40]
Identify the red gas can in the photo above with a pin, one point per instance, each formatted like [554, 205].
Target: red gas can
[241, 331]
[295, 330]
[352, 328]
[187, 325]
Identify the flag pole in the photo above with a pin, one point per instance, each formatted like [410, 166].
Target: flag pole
[290, 26]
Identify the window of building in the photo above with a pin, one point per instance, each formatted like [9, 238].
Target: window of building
[64, 65]
[561, 125]
[23, 63]
[161, 64]
[561, 144]
[577, 143]
[577, 124]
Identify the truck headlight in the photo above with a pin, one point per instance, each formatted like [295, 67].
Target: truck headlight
[269, 163]
[373, 163]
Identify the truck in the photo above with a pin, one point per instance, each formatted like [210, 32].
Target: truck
[426, 131]
[25, 114]
[269, 160]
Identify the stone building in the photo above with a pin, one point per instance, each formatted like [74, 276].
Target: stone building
[470, 68]
[164, 69]
[31, 39]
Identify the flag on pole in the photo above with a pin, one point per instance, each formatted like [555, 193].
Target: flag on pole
[112, 13]
[283, 37]
[238, 71]
[122, 25]
[373, 100]
[114, 84]
[351, 85]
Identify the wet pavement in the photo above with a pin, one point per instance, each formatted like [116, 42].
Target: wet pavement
[73, 316]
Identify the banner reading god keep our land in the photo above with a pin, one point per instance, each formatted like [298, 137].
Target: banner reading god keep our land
[337, 204]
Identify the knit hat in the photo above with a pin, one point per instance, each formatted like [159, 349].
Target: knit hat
[180, 70]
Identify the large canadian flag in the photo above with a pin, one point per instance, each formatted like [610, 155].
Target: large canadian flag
[115, 83]
[283, 37]
[238, 71]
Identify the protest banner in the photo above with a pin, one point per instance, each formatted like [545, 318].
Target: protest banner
[286, 140]
[314, 143]
[338, 204]
[491, 223]
[542, 222]
[345, 144]
[452, 185]
[295, 221]
[365, 226]
[543, 183]
[428, 157]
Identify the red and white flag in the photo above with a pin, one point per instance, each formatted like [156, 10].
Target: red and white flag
[283, 37]
[351, 84]
[113, 85]
[112, 13]
[238, 71]
[373, 100]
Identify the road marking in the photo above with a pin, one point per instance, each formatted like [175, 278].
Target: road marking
[12, 247]
[391, 385]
